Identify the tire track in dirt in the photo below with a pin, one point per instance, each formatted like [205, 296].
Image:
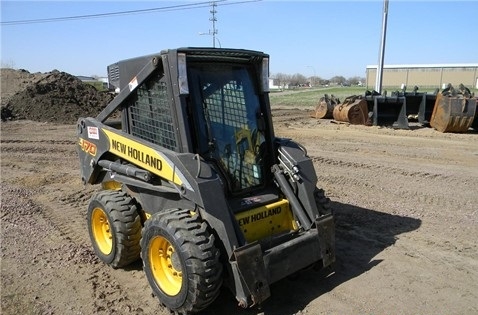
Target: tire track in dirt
[78, 199]
[50, 257]
[289, 116]
[399, 204]
[378, 168]
[118, 291]
[63, 201]
[109, 295]
[68, 220]
[40, 147]
[112, 291]
[396, 252]
[48, 180]
[336, 175]
[413, 201]
[42, 142]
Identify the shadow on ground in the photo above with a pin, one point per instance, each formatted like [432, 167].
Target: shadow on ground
[361, 234]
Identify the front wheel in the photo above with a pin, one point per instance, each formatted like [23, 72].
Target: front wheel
[181, 261]
[114, 226]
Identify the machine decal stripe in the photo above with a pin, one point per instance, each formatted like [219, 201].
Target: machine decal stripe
[143, 156]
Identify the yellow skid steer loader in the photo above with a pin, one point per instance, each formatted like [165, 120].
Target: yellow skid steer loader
[194, 182]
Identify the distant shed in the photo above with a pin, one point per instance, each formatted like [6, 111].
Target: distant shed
[424, 75]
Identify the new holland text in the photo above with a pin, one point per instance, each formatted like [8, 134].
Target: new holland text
[137, 155]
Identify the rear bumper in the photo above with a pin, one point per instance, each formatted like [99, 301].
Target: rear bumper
[259, 268]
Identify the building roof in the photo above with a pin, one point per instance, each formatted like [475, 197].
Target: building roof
[439, 65]
[85, 78]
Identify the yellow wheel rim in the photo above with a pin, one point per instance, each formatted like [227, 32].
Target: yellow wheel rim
[102, 231]
[165, 265]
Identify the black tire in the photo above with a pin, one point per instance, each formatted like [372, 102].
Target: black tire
[181, 261]
[114, 226]
[323, 202]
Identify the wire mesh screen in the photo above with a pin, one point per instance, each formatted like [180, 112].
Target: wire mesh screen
[151, 116]
[235, 135]
[233, 113]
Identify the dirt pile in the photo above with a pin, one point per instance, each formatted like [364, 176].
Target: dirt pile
[13, 81]
[56, 97]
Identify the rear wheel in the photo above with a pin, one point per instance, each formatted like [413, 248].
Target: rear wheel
[114, 227]
[181, 261]
[323, 202]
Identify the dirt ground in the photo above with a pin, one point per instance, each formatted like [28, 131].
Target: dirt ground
[406, 204]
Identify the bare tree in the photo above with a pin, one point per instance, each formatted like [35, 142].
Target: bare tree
[282, 78]
[315, 80]
[356, 80]
[339, 80]
[298, 79]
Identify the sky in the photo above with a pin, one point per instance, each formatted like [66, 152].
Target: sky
[312, 38]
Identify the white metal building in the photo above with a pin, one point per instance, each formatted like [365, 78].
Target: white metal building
[424, 75]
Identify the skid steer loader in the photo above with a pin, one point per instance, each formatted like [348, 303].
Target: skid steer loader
[194, 182]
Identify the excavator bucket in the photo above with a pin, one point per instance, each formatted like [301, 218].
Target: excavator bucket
[419, 105]
[353, 110]
[426, 108]
[414, 101]
[388, 111]
[325, 107]
[474, 125]
[453, 112]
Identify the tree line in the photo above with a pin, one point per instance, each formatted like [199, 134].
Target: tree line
[282, 79]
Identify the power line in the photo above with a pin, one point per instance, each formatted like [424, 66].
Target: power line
[120, 13]
[109, 14]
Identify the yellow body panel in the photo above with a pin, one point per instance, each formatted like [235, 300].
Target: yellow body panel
[143, 156]
[267, 220]
[111, 185]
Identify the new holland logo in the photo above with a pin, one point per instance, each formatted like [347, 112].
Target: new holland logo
[260, 216]
[137, 155]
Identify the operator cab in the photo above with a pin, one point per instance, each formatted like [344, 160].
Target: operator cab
[229, 126]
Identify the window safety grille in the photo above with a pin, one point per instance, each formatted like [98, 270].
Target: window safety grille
[234, 113]
[234, 131]
[151, 114]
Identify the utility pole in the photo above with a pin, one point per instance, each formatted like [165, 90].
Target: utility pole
[213, 19]
[378, 81]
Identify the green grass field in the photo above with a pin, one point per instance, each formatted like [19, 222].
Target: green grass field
[310, 97]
